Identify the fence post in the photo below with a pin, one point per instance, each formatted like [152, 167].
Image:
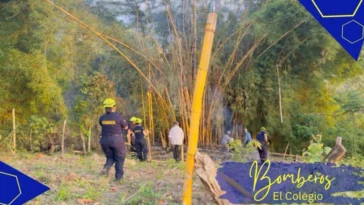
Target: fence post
[63, 133]
[89, 140]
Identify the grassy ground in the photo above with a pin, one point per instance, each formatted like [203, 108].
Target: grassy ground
[74, 179]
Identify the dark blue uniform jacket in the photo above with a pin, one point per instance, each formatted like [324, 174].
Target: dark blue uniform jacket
[112, 124]
[138, 132]
[260, 137]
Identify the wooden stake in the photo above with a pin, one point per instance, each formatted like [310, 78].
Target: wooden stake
[63, 133]
[14, 131]
[284, 156]
[89, 140]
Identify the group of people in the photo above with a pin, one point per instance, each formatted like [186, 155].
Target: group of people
[262, 137]
[136, 138]
[113, 145]
[112, 141]
[113, 125]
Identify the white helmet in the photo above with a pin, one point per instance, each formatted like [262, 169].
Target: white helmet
[228, 132]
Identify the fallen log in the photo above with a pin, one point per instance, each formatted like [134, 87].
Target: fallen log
[206, 170]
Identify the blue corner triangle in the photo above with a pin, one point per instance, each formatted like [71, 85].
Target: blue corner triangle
[344, 20]
[17, 188]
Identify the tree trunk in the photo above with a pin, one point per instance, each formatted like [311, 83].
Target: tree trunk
[83, 143]
[30, 141]
[51, 144]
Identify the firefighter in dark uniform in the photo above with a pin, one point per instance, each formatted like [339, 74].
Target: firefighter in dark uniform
[112, 141]
[262, 137]
[140, 142]
[131, 133]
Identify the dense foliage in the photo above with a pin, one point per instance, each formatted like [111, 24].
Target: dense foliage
[52, 69]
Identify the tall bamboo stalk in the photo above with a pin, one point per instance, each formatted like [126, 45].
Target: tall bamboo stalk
[279, 94]
[197, 102]
[14, 131]
[170, 104]
[187, 99]
[203, 127]
[194, 56]
[136, 52]
[141, 90]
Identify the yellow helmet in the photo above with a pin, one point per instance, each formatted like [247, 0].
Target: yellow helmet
[109, 102]
[138, 120]
[133, 119]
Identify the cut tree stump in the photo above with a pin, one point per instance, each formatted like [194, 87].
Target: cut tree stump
[337, 152]
[206, 170]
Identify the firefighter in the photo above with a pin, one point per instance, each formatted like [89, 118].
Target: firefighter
[262, 137]
[140, 142]
[131, 136]
[112, 141]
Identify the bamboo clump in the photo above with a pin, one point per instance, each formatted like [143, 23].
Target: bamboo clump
[170, 75]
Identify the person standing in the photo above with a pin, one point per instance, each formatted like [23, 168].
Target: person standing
[176, 136]
[141, 145]
[262, 137]
[131, 136]
[226, 139]
[247, 137]
[112, 142]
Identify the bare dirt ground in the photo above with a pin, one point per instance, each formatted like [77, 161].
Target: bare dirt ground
[75, 179]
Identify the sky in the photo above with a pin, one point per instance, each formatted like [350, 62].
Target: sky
[227, 4]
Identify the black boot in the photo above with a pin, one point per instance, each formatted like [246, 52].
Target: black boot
[105, 172]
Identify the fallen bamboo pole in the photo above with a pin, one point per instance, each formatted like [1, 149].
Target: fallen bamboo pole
[197, 102]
